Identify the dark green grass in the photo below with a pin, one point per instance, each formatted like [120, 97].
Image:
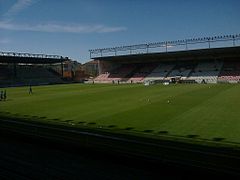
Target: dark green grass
[193, 111]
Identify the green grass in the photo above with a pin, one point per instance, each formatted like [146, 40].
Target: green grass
[207, 111]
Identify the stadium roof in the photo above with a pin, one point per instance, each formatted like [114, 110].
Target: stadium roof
[166, 46]
[13, 57]
[227, 52]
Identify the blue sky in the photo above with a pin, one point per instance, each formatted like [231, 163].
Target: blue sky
[72, 27]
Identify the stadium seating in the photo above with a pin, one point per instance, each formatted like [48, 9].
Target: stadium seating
[181, 70]
[206, 71]
[27, 74]
[188, 71]
[123, 72]
[119, 74]
[126, 73]
[102, 77]
[6, 75]
[230, 72]
[160, 72]
[141, 72]
[5, 72]
[36, 75]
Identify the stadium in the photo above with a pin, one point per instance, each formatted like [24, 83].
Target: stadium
[174, 102]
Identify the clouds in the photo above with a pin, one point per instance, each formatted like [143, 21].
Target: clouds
[5, 41]
[61, 28]
[17, 7]
[8, 23]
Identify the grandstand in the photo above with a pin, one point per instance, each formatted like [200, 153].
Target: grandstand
[19, 69]
[200, 65]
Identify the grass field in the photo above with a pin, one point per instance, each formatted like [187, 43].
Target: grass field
[208, 111]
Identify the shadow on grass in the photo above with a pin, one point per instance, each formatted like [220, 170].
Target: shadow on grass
[148, 131]
[81, 122]
[42, 117]
[112, 126]
[56, 119]
[163, 132]
[92, 123]
[25, 116]
[129, 128]
[192, 136]
[68, 121]
[34, 117]
[218, 139]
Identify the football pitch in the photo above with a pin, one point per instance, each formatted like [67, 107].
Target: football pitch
[204, 111]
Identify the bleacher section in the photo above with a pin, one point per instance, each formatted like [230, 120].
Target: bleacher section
[27, 74]
[230, 72]
[206, 71]
[181, 71]
[160, 72]
[201, 72]
[103, 77]
[122, 73]
[141, 72]
[36, 75]
[119, 74]
[5, 73]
